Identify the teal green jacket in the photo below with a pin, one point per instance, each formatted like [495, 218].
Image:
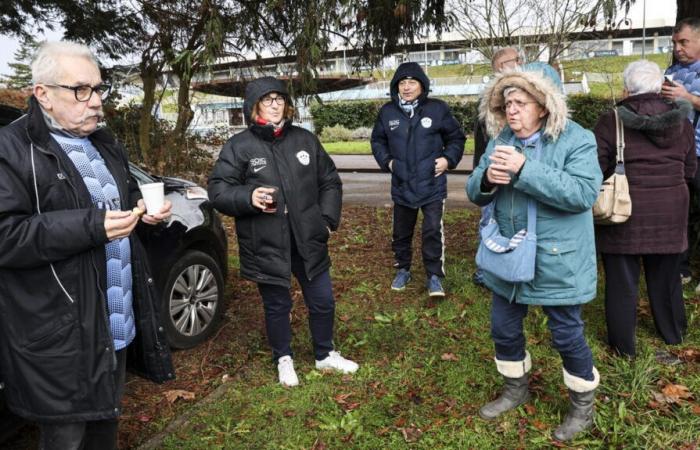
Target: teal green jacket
[565, 182]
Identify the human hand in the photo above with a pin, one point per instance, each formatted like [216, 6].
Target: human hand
[119, 224]
[440, 166]
[497, 176]
[671, 90]
[506, 158]
[155, 219]
[262, 197]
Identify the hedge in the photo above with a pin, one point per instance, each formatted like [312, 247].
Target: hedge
[585, 109]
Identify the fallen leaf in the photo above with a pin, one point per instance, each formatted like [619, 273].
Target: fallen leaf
[289, 413]
[144, 418]
[689, 355]
[341, 398]
[225, 378]
[676, 392]
[530, 409]
[401, 421]
[696, 410]
[539, 425]
[174, 394]
[411, 434]
[319, 445]
[449, 357]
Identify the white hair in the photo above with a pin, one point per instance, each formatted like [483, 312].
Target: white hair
[511, 90]
[641, 77]
[46, 67]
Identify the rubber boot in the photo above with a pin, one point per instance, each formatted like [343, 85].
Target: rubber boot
[514, 392]
[582, 399]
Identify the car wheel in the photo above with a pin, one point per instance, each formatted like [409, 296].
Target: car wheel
[193, 300]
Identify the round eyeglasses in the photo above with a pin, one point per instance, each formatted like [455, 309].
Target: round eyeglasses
[267, 101]
[83, 93]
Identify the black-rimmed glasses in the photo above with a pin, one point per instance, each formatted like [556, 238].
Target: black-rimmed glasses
[83, 93]
[267, 101]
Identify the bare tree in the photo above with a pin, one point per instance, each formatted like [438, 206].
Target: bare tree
[539, 27]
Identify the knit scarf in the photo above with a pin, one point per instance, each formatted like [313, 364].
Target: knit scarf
[408, 107]
[277, 129]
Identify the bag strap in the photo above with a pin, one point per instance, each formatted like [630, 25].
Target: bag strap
[531, 202]
[620, 143]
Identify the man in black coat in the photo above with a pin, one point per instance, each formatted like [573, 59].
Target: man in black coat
[75, 289]
[417, 139]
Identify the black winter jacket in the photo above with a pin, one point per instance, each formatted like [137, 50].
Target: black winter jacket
[57, 360]
[309, 201]
[415, 143]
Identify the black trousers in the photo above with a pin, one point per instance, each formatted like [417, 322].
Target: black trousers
[621, 295]
[433, 238]
[694, 190]
[92, 435]
[318, 296]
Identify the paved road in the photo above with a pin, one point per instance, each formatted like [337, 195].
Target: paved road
[372, 189]
[366, 163]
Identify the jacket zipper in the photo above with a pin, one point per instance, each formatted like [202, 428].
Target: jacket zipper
[286, 200]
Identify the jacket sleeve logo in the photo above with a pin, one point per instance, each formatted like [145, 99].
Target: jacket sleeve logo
[426, 122]
[257, 164]
[394, 124]
[303, 157]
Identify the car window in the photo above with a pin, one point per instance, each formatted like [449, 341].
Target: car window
[141, 176]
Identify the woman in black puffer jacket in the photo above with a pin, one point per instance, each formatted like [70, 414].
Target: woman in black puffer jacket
[286, 195]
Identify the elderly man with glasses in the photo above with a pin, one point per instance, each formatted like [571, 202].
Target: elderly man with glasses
[76, 293]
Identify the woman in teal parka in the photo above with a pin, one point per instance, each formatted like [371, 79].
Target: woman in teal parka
[526, 109]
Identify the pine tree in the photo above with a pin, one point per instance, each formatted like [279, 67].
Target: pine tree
[22, 73]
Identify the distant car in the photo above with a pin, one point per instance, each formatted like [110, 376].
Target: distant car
[188, 259]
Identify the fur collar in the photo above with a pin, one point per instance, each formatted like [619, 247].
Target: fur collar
[657, 122]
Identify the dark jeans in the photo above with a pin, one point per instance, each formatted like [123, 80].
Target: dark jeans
[318, 296]
[564, 323]
[694, 190]
[433, 239]
[96, 434]
[621, 295]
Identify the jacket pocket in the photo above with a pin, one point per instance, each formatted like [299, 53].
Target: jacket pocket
[554, 265]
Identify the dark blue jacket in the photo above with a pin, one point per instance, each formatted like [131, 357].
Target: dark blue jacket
[415, 143]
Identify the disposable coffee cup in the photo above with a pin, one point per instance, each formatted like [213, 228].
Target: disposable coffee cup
[668, 79]
[153, 197]
[504, 147]
[271, 201]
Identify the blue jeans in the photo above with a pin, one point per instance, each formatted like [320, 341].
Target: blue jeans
[318, 296]
[564, 323]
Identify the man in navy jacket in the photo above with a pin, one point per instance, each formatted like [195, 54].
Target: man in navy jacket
[417, 139]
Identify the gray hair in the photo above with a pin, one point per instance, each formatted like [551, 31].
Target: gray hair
[45, 65]
[641, 77]
[502, 51]
[510, 90]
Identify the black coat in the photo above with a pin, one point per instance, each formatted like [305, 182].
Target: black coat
[310, 200]
[659, 160]
[57, 360]
[413, 144]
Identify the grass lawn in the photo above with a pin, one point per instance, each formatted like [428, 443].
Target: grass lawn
[426, 367]
[364, 148]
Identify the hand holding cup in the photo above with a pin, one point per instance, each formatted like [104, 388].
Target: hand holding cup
[265, 198]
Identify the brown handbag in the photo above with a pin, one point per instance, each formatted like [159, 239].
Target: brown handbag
[614, 204]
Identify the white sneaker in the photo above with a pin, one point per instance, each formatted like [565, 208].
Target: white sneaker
[336, 362]
[287, 375]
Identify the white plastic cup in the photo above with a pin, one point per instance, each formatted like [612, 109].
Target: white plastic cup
[153, 196]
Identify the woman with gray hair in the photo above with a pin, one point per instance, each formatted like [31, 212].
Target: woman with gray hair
[659, 158]
[539, 172]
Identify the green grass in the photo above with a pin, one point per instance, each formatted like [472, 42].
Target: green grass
[406, 393]
[364, 148]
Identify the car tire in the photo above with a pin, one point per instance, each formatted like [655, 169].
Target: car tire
[193, 300]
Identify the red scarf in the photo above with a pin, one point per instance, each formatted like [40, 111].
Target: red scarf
[276, 130]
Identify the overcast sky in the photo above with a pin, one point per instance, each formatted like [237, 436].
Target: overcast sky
[658, 13]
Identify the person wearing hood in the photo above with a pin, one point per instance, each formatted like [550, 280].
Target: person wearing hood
[538, 154]
[285, 193]
[659, 160]
[418, 140]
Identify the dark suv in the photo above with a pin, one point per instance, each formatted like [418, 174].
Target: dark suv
[188, 257]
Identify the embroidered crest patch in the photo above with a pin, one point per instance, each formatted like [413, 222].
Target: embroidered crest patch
[303, 157]
[426, 122]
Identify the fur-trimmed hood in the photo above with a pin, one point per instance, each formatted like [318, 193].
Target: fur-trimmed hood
[542, 83]
[659, 120]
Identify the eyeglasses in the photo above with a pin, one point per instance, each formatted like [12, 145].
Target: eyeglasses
[83, 93]
[267, 101]
[517, 103]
